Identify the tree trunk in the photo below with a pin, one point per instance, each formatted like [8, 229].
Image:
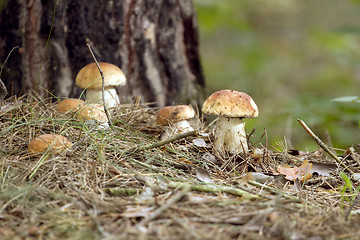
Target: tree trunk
[155, 43]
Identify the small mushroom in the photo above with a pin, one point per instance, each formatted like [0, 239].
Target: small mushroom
[89, 78]
[93, 112]
[231, 107]
[175, 118]
[69, 105]
[56, 142]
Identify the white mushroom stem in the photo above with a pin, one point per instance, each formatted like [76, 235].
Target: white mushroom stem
[183, 126]
[110, 95]
[176, 128]
[230, 136]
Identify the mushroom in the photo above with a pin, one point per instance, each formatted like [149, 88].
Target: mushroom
[175, 117]
[69, 105]
[56, 142]
[93, 112]
[231, 107]
[89, 78]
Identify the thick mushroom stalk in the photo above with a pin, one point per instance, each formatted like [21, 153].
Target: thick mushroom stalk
[230, 135]
[176, 128]
[110, 95]
[183, 126]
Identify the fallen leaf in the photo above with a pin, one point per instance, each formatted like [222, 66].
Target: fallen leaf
[323, 169]
[301, 173]
[203, 175]
[290, 173]
[199, 142]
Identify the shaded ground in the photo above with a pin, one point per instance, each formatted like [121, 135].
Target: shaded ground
[106, 187]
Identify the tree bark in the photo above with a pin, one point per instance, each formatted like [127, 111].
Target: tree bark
[155, 43]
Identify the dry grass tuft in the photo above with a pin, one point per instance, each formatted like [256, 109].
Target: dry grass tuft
[105, 188]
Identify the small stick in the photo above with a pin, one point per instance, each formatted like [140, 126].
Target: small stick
[3, 90]
[122, 191]
[214, 189]
[163, 142]
[266, 151]
[103, 84]
[2, 66]
[322, 145]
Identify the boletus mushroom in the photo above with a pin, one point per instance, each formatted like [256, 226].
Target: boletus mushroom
[55, 142]
[231, 107]
[69, 105]
[175, 118]
[89, 78]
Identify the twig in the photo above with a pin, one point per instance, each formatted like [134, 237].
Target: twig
[266, 146]
[165, 206]
[3, 90]
[322, 145]
[248, 136]
[272, 190]
[162, 142]
[122, 191]
[2, 66]
[215, 189]
[103, 84]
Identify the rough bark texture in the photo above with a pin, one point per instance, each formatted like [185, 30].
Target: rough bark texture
[154, 42]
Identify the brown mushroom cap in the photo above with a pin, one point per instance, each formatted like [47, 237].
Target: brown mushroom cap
[230, 103]
[41, 143]
[174, 114]
[93, 112]
[69, 105]
[89, 76]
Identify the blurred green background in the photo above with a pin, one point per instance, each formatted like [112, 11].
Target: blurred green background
[292, 57]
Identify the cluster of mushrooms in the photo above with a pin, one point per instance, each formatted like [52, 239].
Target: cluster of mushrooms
[230, 106]
[92, 109]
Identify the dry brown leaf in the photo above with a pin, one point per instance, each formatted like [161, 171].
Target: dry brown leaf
[301, 173]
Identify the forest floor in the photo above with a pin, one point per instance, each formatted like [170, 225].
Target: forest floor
[115, 184]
